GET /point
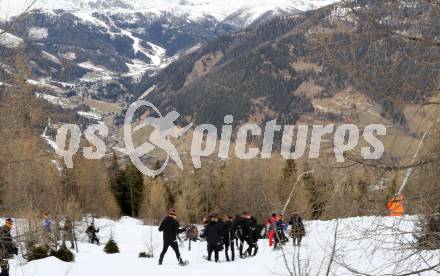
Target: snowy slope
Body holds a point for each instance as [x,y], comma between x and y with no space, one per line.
[106,42]
[374,254]
[219,9]
[9,40]
[163,27]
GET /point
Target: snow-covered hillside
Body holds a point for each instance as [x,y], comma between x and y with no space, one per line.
[106,47]
[9,40]
[219,9]
[367,244]
[111,44]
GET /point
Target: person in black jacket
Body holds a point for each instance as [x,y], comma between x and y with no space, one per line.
[91,233]
[234,229]
[242,230]
[297,232]
[7,247]
[171,228]
[228,238]
[213,234]
[254,236]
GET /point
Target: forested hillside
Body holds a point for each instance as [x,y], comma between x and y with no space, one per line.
[274,70]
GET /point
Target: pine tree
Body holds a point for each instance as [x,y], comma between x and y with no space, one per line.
[120,191]
[118,185]
[37,252]
[113,174]
[135,187]
[63,253]
[111,247]
[127,187]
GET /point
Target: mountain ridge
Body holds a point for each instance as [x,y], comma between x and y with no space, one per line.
[193,8]
[106,46]
[278,69]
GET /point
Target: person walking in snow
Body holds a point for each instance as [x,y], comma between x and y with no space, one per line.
[242,231]
[228,238]
[270,226]
[213,233]
[297,231]
[7,247]
[171,228]
[285,225]
[255,234]
[91,233]
[280,237]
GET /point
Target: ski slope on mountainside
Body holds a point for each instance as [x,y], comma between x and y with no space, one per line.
[365,244]
[219,9]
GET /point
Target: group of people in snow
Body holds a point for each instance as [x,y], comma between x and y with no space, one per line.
[66,231]
[277,229]
[8,247]
[229,233]
[224,234]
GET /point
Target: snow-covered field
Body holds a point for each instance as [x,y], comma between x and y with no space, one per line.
[369,245]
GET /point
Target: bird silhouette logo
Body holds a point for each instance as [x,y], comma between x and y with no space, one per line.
[164,127]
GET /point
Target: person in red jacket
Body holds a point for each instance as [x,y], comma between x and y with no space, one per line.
[271,228]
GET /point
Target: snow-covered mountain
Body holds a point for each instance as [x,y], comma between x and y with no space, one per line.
[193,9]
[108,45]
